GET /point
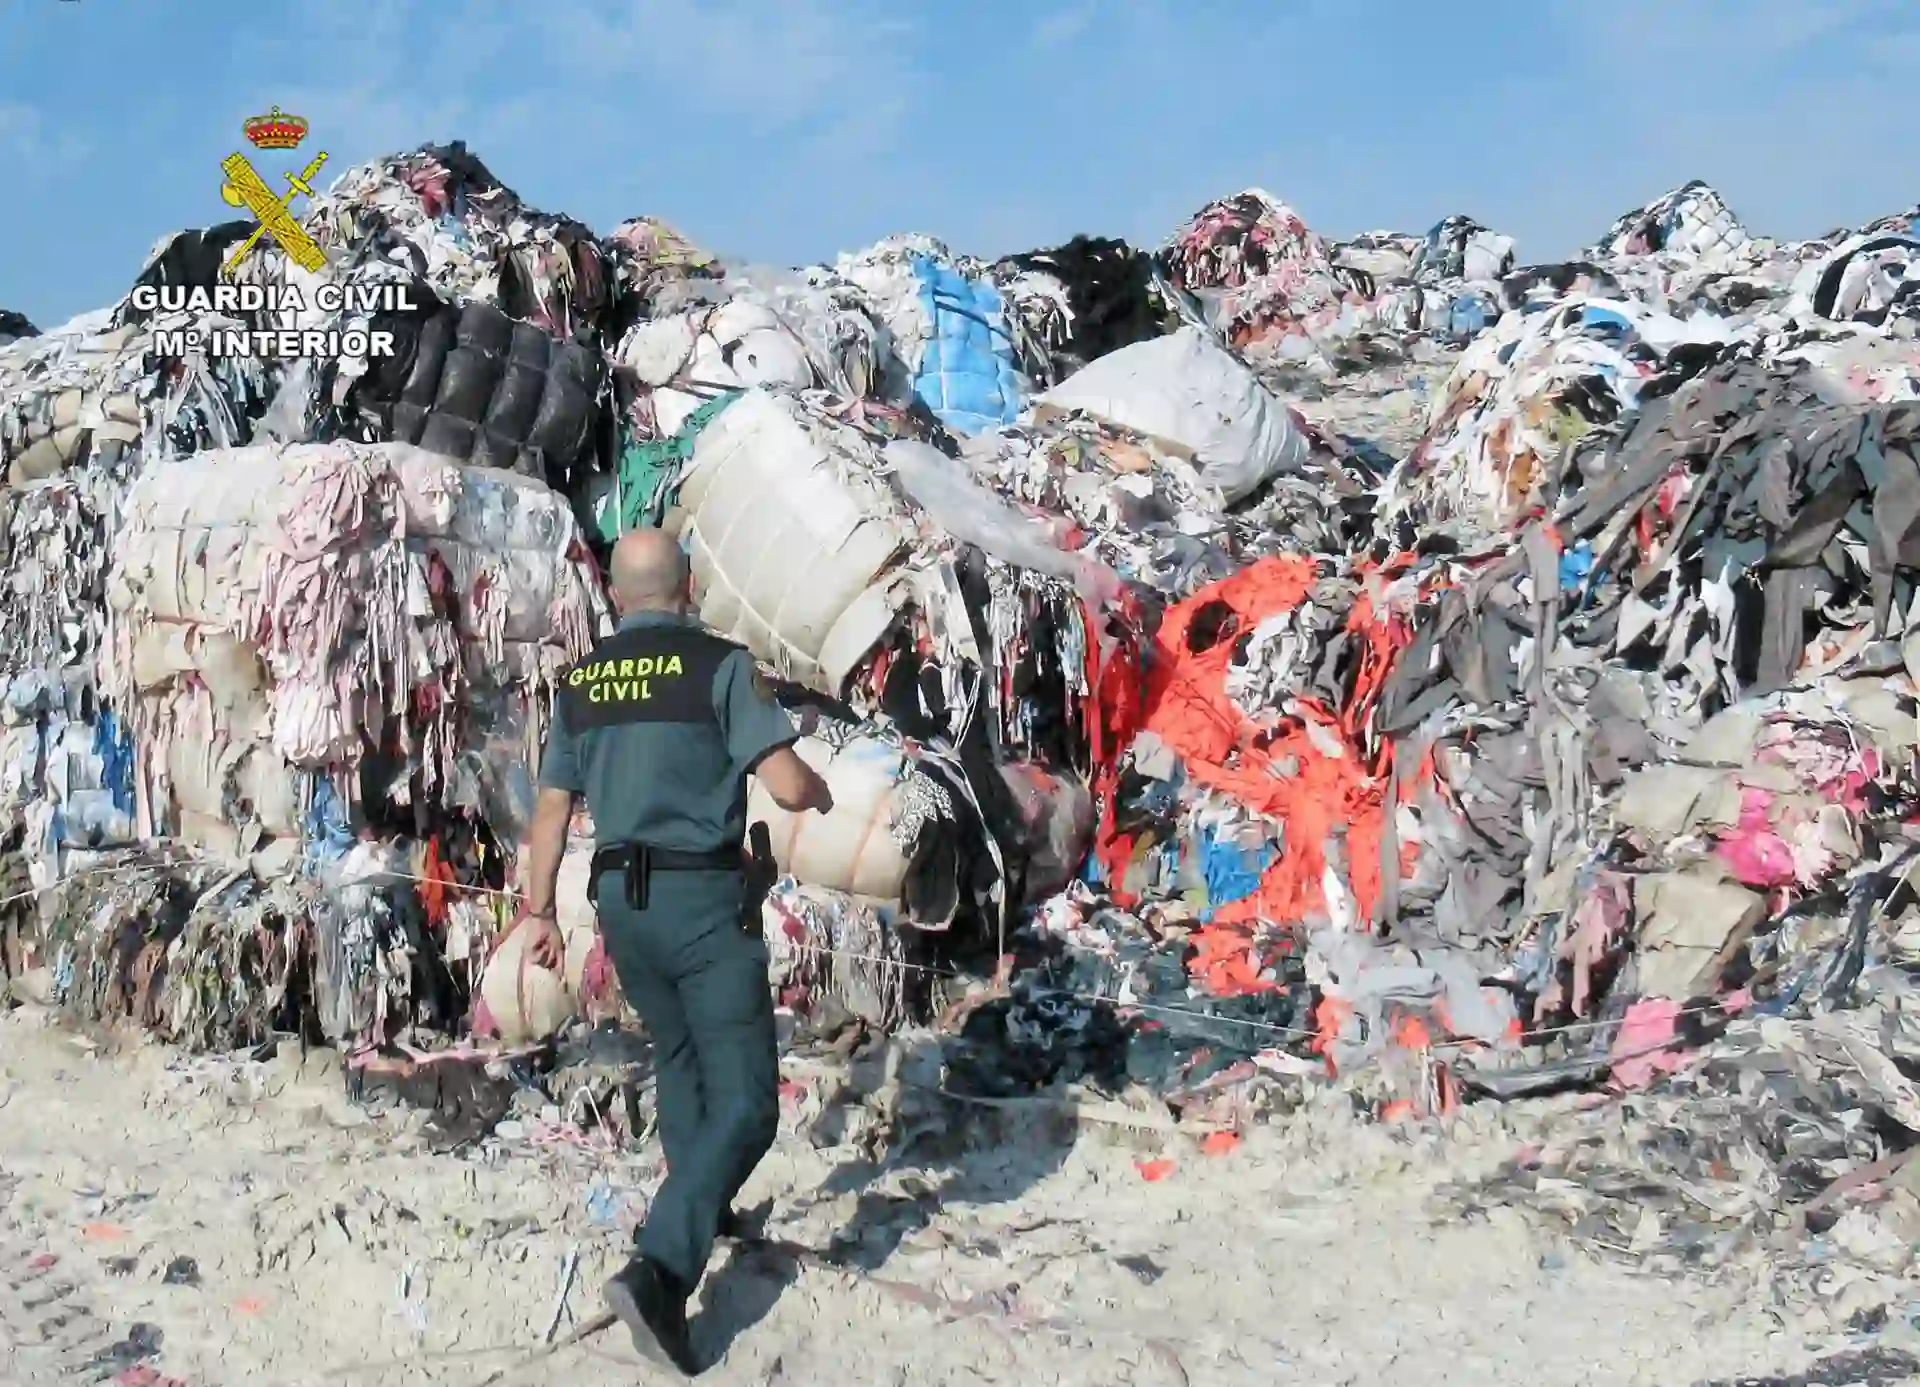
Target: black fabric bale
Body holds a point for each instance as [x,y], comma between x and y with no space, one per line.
[580,365]
[387,377]
[485,329]
[516,399]
[494,449]
[516,403]
[407,422]
[564,423]
[467,384]
[565,420]
[530,346]
[531,462]
[449,436]
[429,360]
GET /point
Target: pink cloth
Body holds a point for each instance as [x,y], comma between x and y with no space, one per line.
[597,980]
[1646,1025]
[1753,852]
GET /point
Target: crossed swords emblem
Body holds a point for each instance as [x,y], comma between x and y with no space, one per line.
[246,188]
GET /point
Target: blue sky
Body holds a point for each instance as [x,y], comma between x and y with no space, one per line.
[783,130]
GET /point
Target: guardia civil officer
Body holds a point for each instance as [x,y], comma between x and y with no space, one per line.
[659,728]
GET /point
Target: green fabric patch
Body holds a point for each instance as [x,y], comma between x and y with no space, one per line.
[649,472]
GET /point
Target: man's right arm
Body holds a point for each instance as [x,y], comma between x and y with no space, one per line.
[760,737]
[795,786]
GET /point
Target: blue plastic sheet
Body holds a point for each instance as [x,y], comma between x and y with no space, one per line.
[968,375]
[1468,316]
[1575,564]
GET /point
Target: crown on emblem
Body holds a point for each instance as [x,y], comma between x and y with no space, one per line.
[275,130]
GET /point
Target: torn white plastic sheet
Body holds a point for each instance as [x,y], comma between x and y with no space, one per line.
[947,491]
[1187,390]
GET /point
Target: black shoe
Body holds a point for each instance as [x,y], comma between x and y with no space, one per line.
[649,1301]
[747,1227]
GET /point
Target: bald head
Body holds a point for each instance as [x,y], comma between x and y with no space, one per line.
[649,572]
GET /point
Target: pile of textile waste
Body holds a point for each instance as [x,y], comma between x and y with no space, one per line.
[1193,724]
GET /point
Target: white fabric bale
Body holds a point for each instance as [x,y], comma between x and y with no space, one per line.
[193,549]
[528,1003]
[672,408]
[191,577]
[656,351]
[850,849]
[787,526]
[201,770]
[746,344]
[189,549]
[229,667]
[512,530]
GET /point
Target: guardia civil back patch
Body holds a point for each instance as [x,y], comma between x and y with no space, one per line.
[653,674]
[622,681]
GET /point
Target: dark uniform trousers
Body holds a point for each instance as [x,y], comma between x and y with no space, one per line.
[699,983]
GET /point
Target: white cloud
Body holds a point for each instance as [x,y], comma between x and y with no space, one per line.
[1064,26]
[773,64]
[31,144]
[1794,109]
[1721,42]
[354,69]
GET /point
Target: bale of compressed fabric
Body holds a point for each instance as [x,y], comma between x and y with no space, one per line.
[471,384]
[66,394]
[852,848]
[315,603]
[523,1002]
[682,360]
[792,536]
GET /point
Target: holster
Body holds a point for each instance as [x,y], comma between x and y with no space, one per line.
[762,873]
[638,877]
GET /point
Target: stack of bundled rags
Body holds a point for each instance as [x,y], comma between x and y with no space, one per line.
[83,409]
[334,658]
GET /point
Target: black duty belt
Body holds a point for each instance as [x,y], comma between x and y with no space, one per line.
[637,862]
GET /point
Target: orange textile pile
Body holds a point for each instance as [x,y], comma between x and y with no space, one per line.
[1324,796]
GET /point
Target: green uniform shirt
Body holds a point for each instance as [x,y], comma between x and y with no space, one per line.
[659,728]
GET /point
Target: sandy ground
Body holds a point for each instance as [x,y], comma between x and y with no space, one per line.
[329,1247]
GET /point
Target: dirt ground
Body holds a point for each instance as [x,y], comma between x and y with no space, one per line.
[262,1230]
